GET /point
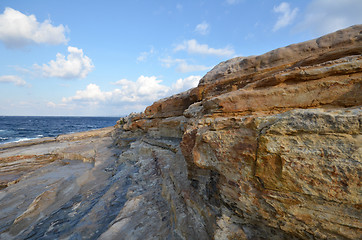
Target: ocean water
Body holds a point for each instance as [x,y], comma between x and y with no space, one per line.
[16,129]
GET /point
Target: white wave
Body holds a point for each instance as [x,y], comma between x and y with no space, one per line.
[25,139]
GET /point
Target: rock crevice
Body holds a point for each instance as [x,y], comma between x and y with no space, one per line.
[265,147]
[282,131]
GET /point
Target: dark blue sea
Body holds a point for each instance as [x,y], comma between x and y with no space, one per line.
[16,129]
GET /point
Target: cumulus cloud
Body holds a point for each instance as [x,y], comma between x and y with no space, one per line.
[144,90]
[18,30]
[286,17]
[182,65]
[202,28]
[18,81]
[184,84]
[92,94]
[324,16]
[193,47]
[128,95]
[75,65]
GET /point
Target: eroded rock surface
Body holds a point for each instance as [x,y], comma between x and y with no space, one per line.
[266,147]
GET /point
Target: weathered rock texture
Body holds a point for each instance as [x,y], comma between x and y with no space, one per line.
[266,147]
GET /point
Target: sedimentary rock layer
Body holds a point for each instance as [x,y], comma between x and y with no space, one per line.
[266,147]
[273,142]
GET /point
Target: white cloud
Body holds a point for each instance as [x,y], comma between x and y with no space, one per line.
[325,16]
[18,30]
[202,28]
[92,94]
[51,104]
[286,15]
[18,81]
[144,55]
[182,65]
[76,65]
[145,89]
[184,84]
[193,47]
[127,96]
[168,62]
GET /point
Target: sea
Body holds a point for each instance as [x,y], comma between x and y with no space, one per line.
[16,128]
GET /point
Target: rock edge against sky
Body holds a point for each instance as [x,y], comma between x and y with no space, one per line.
[266,147]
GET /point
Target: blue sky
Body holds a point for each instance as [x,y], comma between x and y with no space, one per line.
[110,58]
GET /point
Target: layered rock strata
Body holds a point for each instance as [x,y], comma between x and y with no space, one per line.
[266,147]
[273,142]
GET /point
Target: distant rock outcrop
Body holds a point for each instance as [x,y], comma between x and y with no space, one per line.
[266,147]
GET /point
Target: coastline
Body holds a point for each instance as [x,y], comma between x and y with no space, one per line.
[18,159]
[61,137]
[266,147]
[25,128]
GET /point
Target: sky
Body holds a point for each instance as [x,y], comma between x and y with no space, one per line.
[111,58]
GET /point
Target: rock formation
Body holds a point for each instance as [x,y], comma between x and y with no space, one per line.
[266,147]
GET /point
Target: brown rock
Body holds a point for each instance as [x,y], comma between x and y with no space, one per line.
[266,147]
[172,106]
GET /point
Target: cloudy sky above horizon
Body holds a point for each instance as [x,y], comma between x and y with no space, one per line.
[110,58]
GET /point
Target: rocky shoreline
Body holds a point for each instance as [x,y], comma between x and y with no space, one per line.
[266,147]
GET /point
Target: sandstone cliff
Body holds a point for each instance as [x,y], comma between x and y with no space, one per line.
[273,142]
[266,147]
